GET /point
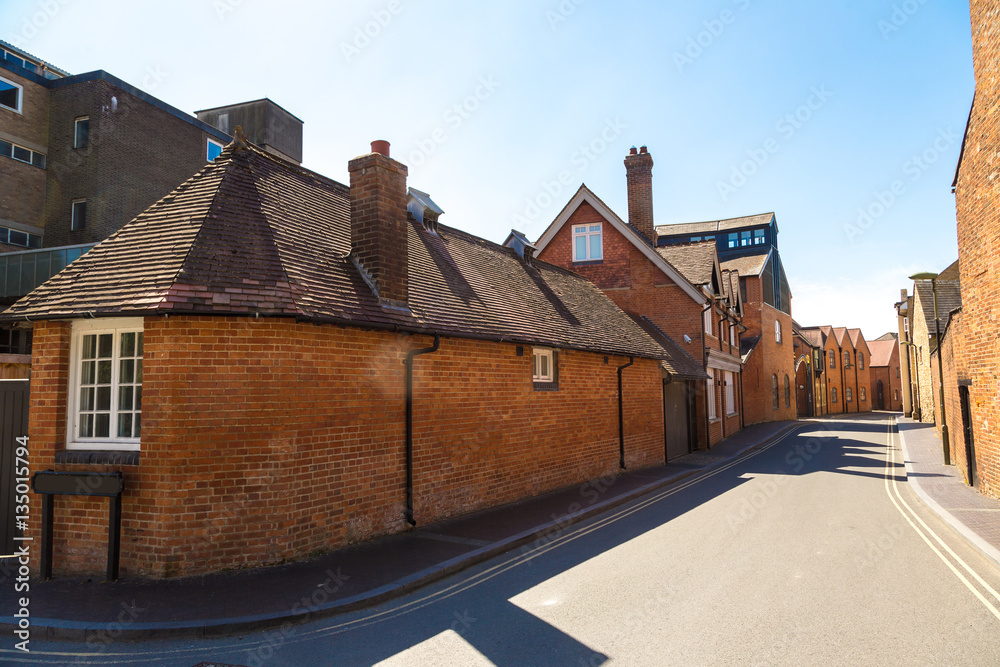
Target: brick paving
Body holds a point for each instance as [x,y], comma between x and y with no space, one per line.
[946,486]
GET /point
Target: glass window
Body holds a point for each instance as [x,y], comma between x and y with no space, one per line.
[17,238]
[707,317]
[744,238]
[81,132]
[777,331]
[542,366]
[214,150]
[733,240]
[6,148]
[10,95]
[774,392]
[833,358]
[711,396]
[788,393]
[22,154]
[861,360]
[587,243]
[847,394]
[38,160]
[107,388]
[833,395]
[730,394]
[862,394]
[847,358]
[79,218]
[759,237]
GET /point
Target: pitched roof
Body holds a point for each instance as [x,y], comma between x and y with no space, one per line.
[695,261]
[815,336]
[253,234]
[712,226]
[856,337]
[951,273]
[886,336]
[585,195]
[678,363]
[731,287]
[747,346]
[949,296]
[881,351]
[748,265]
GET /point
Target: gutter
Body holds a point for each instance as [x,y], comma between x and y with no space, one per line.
[409,423]
[621,417]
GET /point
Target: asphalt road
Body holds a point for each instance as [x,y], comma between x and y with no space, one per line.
[812,551]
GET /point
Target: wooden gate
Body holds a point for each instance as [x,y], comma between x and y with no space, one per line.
[13,425]
[676,418]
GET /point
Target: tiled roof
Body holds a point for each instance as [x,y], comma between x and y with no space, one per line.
[732,281]
[695,261]
[839,333]
[881,351]
[712,226]
[815,337]
[679,363]
[253,234]
[856,337]
[887,336]
[949,294]
[748,265]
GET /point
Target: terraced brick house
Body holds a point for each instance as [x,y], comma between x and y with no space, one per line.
[281,364]
[886,374]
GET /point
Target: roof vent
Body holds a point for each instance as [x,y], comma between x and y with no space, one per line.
[423,209]
[521,245]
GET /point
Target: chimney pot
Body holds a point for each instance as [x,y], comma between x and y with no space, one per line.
[381,147]
[643,149]
[633,151]
[639,177]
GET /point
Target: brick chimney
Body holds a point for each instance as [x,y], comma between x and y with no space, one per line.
[378,221]
[639,174]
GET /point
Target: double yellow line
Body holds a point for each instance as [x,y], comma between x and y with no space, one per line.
[925,532]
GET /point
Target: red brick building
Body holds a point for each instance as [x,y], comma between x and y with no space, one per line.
[810,370]
[847,368]
[886,374]
[244,352]
[681,291]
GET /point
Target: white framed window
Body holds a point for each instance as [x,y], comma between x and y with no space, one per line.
[732,334]
[777,331]
[81,132]
[11,95]
[707,317]
[105,384]
[730,394]
[847,394]
[711,395]
[542,366]
[906,325]
[588,242]
[759,237]
[213,150]
[78,217]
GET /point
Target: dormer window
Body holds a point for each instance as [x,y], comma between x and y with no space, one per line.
[759,237]
[588,243]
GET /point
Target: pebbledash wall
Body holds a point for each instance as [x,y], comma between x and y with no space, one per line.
[266,440]
[977,199]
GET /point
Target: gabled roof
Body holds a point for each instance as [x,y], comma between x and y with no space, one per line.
[881,351]
[747,345]
[949,297]
[886,336]
[749,265]
[839,335]
[252,234]
[713,226]
[584,194]
[814,336]
[731,284]
[951,273]
[856,337]
[679,364]
[697,262]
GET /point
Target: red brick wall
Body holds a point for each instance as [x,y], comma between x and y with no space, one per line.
[768,358]
[636,285]
[266,440]
[955,371]
[977,198]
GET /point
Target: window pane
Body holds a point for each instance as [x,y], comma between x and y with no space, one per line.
[545,365]
[138,371]
[128,345]
[534,365]
[9,95]
[102,425]
[89,347]
[104,346]
[82,133]
[104,371]
[5,147]
[125,398]
[138,398]
[104,398]
[139,345]
[22,154]
[38,160]
[87,398]
[595,228]
[86,426]
[137,425]
[126,371]
[581,248]
[125,425]
[595,246]
[88,373]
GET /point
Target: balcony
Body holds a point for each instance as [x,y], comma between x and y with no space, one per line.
[21,272]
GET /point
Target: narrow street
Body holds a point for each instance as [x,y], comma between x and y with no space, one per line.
[813,550]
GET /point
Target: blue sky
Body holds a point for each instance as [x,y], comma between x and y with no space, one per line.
[816,111]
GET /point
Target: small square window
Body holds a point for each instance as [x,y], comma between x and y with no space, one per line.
[759,237]
[733,240]
[79,219]
[22,154]
[10,95]
[38,160]
[6,148]
[587,242]
[81,132]
[542,366]
[214,150]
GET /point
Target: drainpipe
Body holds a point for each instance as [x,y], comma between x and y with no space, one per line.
[723,401]
[704,360]
[843,382]
[409,423]
[621,416]
[857,389]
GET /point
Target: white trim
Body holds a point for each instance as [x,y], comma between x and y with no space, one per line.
[729,378]
[585,195]
[76,131]
[20,97]
[587,233]
[81,328]
[723,362]
[713,413]
[72,215]
[543,353]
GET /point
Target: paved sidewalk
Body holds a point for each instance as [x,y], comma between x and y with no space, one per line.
[943,489]
[343,580]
